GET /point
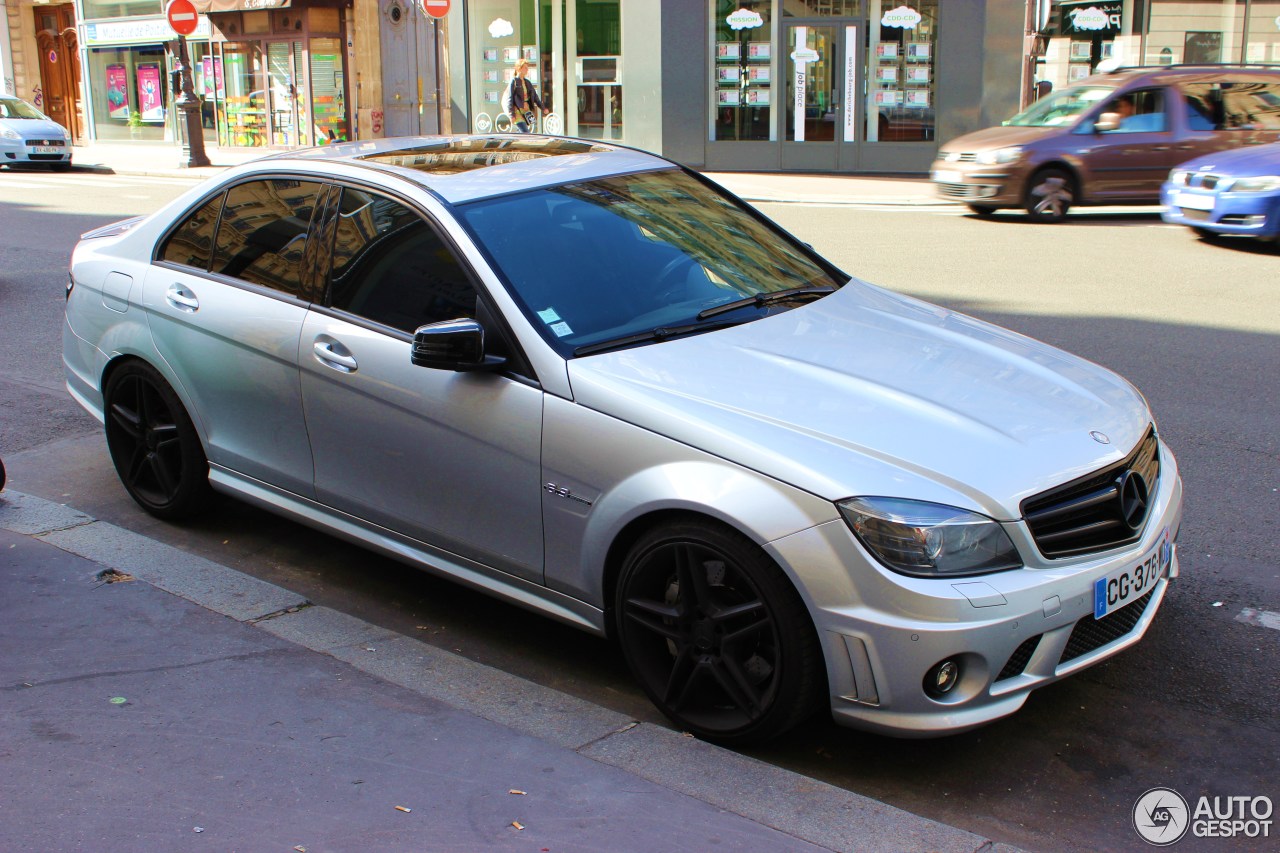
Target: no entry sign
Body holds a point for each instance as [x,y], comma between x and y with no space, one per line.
[434,8]
[182,16]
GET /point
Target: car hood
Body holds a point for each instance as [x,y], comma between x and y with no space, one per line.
[1240,162]
[35,128]
[1001,136]
[867,392]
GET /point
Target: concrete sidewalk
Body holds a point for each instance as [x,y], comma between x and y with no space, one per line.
[162,160]
[188,706]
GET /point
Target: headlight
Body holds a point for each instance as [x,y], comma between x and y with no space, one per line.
[1178,177]
[928,539]
[1000,155]
[9,133]
[1263,184]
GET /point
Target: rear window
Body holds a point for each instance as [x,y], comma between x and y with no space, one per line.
[263,230]
[191,243]
[1249,105]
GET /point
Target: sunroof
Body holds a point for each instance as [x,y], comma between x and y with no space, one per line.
[451,156]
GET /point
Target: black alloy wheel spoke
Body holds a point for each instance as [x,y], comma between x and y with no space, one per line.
[138,462]
[167,437]
[729,676]
[685,672]
[760,621]
[127,420]
[651,615]
[695,591]
[163,476]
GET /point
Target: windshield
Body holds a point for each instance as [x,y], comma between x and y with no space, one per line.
[1061,108]
[15,108]
[617,257]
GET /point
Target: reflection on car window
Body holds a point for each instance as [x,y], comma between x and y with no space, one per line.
[191,244]
[18,108]
[263,231]
[1061,108]
[1244,105]
[620,255]
[390,266]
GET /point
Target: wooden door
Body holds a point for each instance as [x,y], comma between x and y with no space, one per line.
[59,66]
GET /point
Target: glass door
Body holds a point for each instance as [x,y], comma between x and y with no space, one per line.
[823,79]
[285,92]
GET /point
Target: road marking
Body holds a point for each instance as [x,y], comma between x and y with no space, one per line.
[1259,618]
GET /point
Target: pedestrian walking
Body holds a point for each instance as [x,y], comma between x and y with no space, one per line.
[524,100]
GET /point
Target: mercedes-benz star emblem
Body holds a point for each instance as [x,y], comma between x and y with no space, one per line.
[1100,437]
[1133,499]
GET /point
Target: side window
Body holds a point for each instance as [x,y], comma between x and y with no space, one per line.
[263,231]
[1251,106]
[192,243]
[390,266]
[1140,112]
[1204,106]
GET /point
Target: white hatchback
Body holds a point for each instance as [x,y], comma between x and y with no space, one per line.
[29,136]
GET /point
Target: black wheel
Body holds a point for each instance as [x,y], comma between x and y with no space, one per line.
[154,445]
[1206,235]
[981,209]
[2,478]
[716,635]
[1050,193]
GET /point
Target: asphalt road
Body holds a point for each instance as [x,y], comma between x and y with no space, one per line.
[1193,325]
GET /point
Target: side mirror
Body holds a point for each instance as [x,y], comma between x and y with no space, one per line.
[1106,122]
[453,345]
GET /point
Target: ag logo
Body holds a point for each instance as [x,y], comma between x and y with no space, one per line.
[1161,816]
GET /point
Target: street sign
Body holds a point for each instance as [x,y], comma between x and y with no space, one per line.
[182,16]
[435,8]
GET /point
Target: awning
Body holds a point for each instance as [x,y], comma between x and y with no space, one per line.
[204,7]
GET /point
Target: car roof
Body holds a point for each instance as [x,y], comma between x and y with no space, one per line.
[1162,75]
[465,168]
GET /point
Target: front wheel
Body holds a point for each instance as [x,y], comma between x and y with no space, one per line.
[153,443]
[716,635]
[1050,193]
[983,210]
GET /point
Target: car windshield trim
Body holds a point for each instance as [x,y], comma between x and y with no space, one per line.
[656,335]
[763,300]
[1062,109]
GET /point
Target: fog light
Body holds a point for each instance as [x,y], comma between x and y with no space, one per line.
[942,679]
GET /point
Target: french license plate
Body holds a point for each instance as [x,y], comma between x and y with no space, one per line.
[1126,585]
[45,149]
[946,176]
[1193,201]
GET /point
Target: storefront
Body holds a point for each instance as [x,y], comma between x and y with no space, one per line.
[1078,35]
[805,85]
[126,68]
[276,74]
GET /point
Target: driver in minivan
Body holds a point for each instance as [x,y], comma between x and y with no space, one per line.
[1151,118]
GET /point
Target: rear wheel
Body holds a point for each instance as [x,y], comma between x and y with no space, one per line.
[716,635]
[153,443]
[1050,194]
[981,209]
[1205,234]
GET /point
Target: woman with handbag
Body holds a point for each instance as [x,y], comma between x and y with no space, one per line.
[524,99]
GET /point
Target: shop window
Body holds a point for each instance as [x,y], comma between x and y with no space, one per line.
[902,71]
[391,267]
[328,99]
[242,111]
[191,244]
[131,92]
[263,231]
[743,70]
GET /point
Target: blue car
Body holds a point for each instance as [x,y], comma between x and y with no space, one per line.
[1229,192]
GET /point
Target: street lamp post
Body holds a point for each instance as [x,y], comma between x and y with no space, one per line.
[189,109]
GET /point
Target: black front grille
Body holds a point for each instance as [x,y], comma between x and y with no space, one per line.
[1020,657]
[1090,633]
[1194,215]
[59,143]
[44,156]
[964,191]
[1086,515]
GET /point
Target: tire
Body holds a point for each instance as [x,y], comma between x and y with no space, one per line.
[60,167]
[1206,235]
[154,445]
[2,477]
[983,210]
[1050,193]
[716,634]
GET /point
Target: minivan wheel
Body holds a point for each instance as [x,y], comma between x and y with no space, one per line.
[981,209]
[716,634]
[1050,193]
[153,443]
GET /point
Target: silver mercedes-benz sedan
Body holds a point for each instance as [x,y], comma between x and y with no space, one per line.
[590,382]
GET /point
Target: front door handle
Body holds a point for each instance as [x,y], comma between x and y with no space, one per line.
[182,298]
[333,354]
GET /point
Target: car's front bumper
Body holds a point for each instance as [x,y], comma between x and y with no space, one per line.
[970,182]
[24,151]
[1011,632]
[1246,214]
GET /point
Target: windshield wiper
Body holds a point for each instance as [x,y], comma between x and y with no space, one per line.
[661,333]
[761,300]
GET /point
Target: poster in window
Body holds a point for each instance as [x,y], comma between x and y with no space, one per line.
[531,53]
[510,54]
[729,97]
[888,98]
[1202,48]
[887,51]
[917,99]
[491,75]
[728,74]
[918,75]
[150,94]
[218,83]
[887,74]
[491,54]
[727,51]
[117,92]
[1077,72]
[759,50]
[1079,50]
[759,74]
[918,51]
[758,97]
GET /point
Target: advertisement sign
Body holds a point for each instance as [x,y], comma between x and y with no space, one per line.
[150,93]
[117,92]
[800,60]
[138,30]
[850,81]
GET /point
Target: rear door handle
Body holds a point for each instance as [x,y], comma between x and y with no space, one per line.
[327,353]
[182,298]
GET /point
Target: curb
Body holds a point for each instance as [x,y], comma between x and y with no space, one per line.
[804,808]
